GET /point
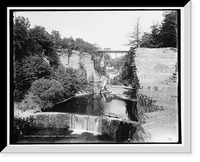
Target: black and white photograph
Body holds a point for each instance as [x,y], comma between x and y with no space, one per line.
[98,80]
[95,76]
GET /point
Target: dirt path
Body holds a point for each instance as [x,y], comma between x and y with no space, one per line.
[161,125]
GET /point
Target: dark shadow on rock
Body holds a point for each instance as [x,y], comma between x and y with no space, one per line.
[125,131]
[131,93]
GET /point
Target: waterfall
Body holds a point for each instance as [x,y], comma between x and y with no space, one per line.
[115,128]
[85,123]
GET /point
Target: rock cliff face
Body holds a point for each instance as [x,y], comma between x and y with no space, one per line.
[155,65]
[76,59]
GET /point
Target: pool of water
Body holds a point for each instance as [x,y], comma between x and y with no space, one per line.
[99,105]
[85,126]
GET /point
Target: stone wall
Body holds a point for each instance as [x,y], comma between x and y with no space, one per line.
[74,62]
[155,65]
[113,127]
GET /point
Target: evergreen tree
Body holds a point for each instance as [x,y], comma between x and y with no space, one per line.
[168,30]
[164,35]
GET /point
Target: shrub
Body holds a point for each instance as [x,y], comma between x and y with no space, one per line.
[26,72]
[146,104]
[72,80]
[48,91]
[21,127]
[101,70]
[30,102]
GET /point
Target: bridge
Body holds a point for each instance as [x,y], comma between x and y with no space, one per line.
[113,52]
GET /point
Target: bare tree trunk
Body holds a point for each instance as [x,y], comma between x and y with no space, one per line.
[135,35]
[138,29]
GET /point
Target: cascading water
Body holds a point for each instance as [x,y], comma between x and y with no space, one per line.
[97,114]
[85,123]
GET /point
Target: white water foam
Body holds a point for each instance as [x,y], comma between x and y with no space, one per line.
[80,131]
[84,123]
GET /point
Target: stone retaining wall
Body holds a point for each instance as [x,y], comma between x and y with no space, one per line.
[113,127]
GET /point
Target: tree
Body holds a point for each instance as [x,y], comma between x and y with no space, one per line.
[136,34]
[97,66]
[43,45]
[20,38]
[153,39]
[30,69]
[68,43]
[126,70]
[80,45]
[168,30]
[72,80]
[33,41]
[128,74]
[155,36]
[164,34]
[48,92]
[56,37]
[35,57]
[97,46]
[146,40]
[31,46]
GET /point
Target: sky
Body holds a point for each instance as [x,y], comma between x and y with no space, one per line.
[108,29]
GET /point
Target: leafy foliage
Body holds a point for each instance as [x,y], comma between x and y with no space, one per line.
[78,44]
[31,46]
[48,91]
[126,70]
[164,34]
[35,57]
[126,66]
[21,126]
[20,37]
[43,45]
[32,41]
[27,71]
[146,40]
[72,80]
[57,40]
[115,81]
[101,70]
[168,30]
[30,102]
[128,74]
[116,62]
